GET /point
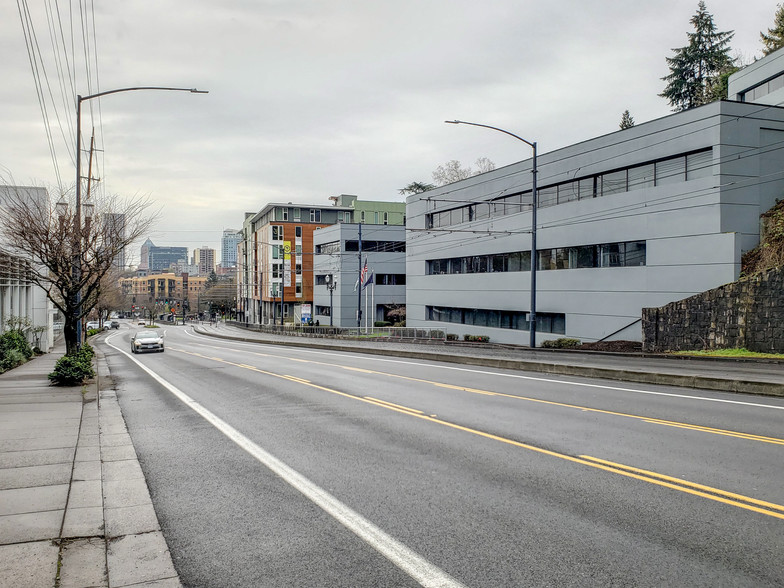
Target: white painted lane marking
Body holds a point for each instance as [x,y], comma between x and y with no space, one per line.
[531,378]
[406,559]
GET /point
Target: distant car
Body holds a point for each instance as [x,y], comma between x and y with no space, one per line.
[115,324]
[141,323]
[93,325]
[146,341]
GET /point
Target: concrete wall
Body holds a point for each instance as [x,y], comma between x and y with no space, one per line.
[748,313]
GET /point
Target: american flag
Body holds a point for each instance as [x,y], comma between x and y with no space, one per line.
[363,273]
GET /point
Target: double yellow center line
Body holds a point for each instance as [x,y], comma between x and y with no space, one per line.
[701,490]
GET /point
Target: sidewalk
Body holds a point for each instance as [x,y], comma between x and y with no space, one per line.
[74,505]
[718,374]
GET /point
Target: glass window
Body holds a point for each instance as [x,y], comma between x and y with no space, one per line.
[610,255]
[386,218]
[482,211]
[456,265]
[298,232]
[275,250]
[513,204]
[586,256]
[699,165]
[455,216]
[298,269]
[641,176]
[297,214]
[635,253]
[568,192]
[298,248]
[614,183]
[670,171]
[587,188]
[315,215]
[515,262]
[500,263]
[362,217]
[546,259]
[547,196]
[375,218]
[562,258]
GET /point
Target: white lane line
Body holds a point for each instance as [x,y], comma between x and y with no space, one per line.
[406,559]
[376,359]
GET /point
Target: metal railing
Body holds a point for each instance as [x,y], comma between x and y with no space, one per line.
[370,333]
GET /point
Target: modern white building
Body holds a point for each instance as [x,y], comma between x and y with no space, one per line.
[637,218]
[762,82]
[337,266]
[19,295]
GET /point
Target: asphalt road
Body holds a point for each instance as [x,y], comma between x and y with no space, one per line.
[272,466]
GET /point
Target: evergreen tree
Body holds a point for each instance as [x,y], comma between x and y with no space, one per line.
[775,37]
[627,120]
[695,68]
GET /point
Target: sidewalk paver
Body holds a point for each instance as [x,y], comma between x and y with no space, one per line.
[74,506]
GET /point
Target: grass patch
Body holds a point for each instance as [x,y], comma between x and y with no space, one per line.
[738,352]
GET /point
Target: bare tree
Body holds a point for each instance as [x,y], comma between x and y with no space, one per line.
[453,171]
[110,296]
[69,257]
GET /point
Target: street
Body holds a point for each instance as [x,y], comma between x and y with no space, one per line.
[275,466]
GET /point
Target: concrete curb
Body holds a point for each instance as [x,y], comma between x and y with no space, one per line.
[641,377]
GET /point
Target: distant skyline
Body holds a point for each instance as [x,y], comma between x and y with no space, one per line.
[311,99]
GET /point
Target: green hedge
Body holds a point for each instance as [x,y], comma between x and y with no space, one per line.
[14,350]
[562,343]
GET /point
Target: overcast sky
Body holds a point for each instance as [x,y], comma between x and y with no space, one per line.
[310,98]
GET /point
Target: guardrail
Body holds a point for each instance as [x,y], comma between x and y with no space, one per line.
[377,333]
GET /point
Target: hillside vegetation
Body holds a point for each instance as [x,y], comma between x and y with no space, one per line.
[770,252]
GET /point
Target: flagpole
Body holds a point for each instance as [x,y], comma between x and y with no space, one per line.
[359,279]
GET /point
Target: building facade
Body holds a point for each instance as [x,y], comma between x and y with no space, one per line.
[161,259]
[637,218]
[204,259]
[163,292]
[337,267]
[275,264]
[20,297]
[229,241]
[762,82]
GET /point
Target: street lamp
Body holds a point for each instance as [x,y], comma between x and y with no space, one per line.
[532,316]
[77,268]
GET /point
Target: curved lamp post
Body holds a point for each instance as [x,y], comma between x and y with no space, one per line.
[532,316]
[77,268]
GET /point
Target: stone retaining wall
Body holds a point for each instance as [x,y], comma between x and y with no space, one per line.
[748,313]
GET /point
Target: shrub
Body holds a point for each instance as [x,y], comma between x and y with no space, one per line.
[451,337]
[562,343]
[476,338]
[92,332]
[382,324]
[72,370]
[14,349]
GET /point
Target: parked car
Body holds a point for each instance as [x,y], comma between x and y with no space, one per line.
[115,324]
[146,341]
